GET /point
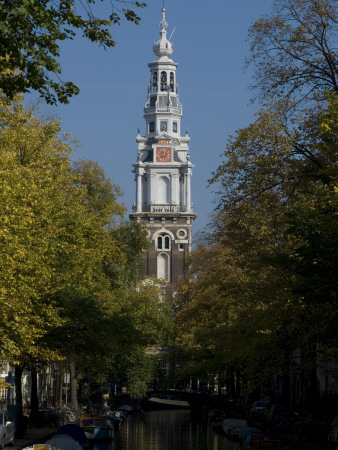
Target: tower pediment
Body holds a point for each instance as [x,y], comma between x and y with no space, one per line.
[163,137]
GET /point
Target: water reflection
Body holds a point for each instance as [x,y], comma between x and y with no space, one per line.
[166,430]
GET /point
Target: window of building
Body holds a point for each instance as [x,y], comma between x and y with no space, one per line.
[164,125]
[174,127]
[151,127]
[181,247]
[155,81]
[172,81]
[163,81]
[163,267]
[163,242]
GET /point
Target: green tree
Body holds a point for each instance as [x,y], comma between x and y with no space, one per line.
[31,31]
[278,211]
[107,312]
[294,50]
[87,302]
[144,323]
[133,240]
[38,199]
[35,177]
[69,285]
[276,222]
[101,193]
[312,219]
[230,318]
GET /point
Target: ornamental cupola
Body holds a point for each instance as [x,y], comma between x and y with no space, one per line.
[163,48]
[163,111]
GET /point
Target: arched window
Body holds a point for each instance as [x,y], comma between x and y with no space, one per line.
[172,81]
[155,82]
[163,268]
[163,242]
[163,81]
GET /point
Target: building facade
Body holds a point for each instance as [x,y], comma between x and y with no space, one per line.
[163,170]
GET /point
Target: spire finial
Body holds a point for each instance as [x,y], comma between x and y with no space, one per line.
[163,23]
[163,48]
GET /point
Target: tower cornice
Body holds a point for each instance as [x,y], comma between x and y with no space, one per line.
[160,62]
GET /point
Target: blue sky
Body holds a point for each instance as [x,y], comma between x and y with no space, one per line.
[210,45]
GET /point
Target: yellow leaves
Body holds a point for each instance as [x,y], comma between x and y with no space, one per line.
[35,203]
[5,385]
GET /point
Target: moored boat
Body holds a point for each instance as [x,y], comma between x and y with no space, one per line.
[97,428]
[63,442]
[163,401]
[263,442]
[115,419]
[233,428]
[75,432]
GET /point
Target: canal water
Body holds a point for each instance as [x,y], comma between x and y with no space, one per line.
[167,430]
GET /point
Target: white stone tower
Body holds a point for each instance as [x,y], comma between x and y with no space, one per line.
[163,170]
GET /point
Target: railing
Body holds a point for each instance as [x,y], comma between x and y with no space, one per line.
[163,208]
[154,109]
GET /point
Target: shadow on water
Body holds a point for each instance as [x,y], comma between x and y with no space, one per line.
[166,430]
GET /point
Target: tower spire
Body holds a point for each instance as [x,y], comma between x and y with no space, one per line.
[163,170]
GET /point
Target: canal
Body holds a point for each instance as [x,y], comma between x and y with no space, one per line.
[167,430]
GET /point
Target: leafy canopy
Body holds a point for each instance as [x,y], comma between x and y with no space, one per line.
[294,50]
[265,281]
[30,35]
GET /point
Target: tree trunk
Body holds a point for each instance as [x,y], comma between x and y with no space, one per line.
[238,383]
[230,383]
[21,423]
[61,383]
[34,397]
[73,385]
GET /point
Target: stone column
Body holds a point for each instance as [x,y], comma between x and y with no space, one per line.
[151,186]
[175,199]
[138,191]
[188,191]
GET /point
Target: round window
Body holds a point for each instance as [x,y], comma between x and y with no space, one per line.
[181,233]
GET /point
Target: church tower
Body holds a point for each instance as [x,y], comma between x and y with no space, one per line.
[163,170]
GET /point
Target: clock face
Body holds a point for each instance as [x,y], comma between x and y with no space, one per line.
[163,154]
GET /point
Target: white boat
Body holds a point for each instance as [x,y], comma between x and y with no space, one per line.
[161,401]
